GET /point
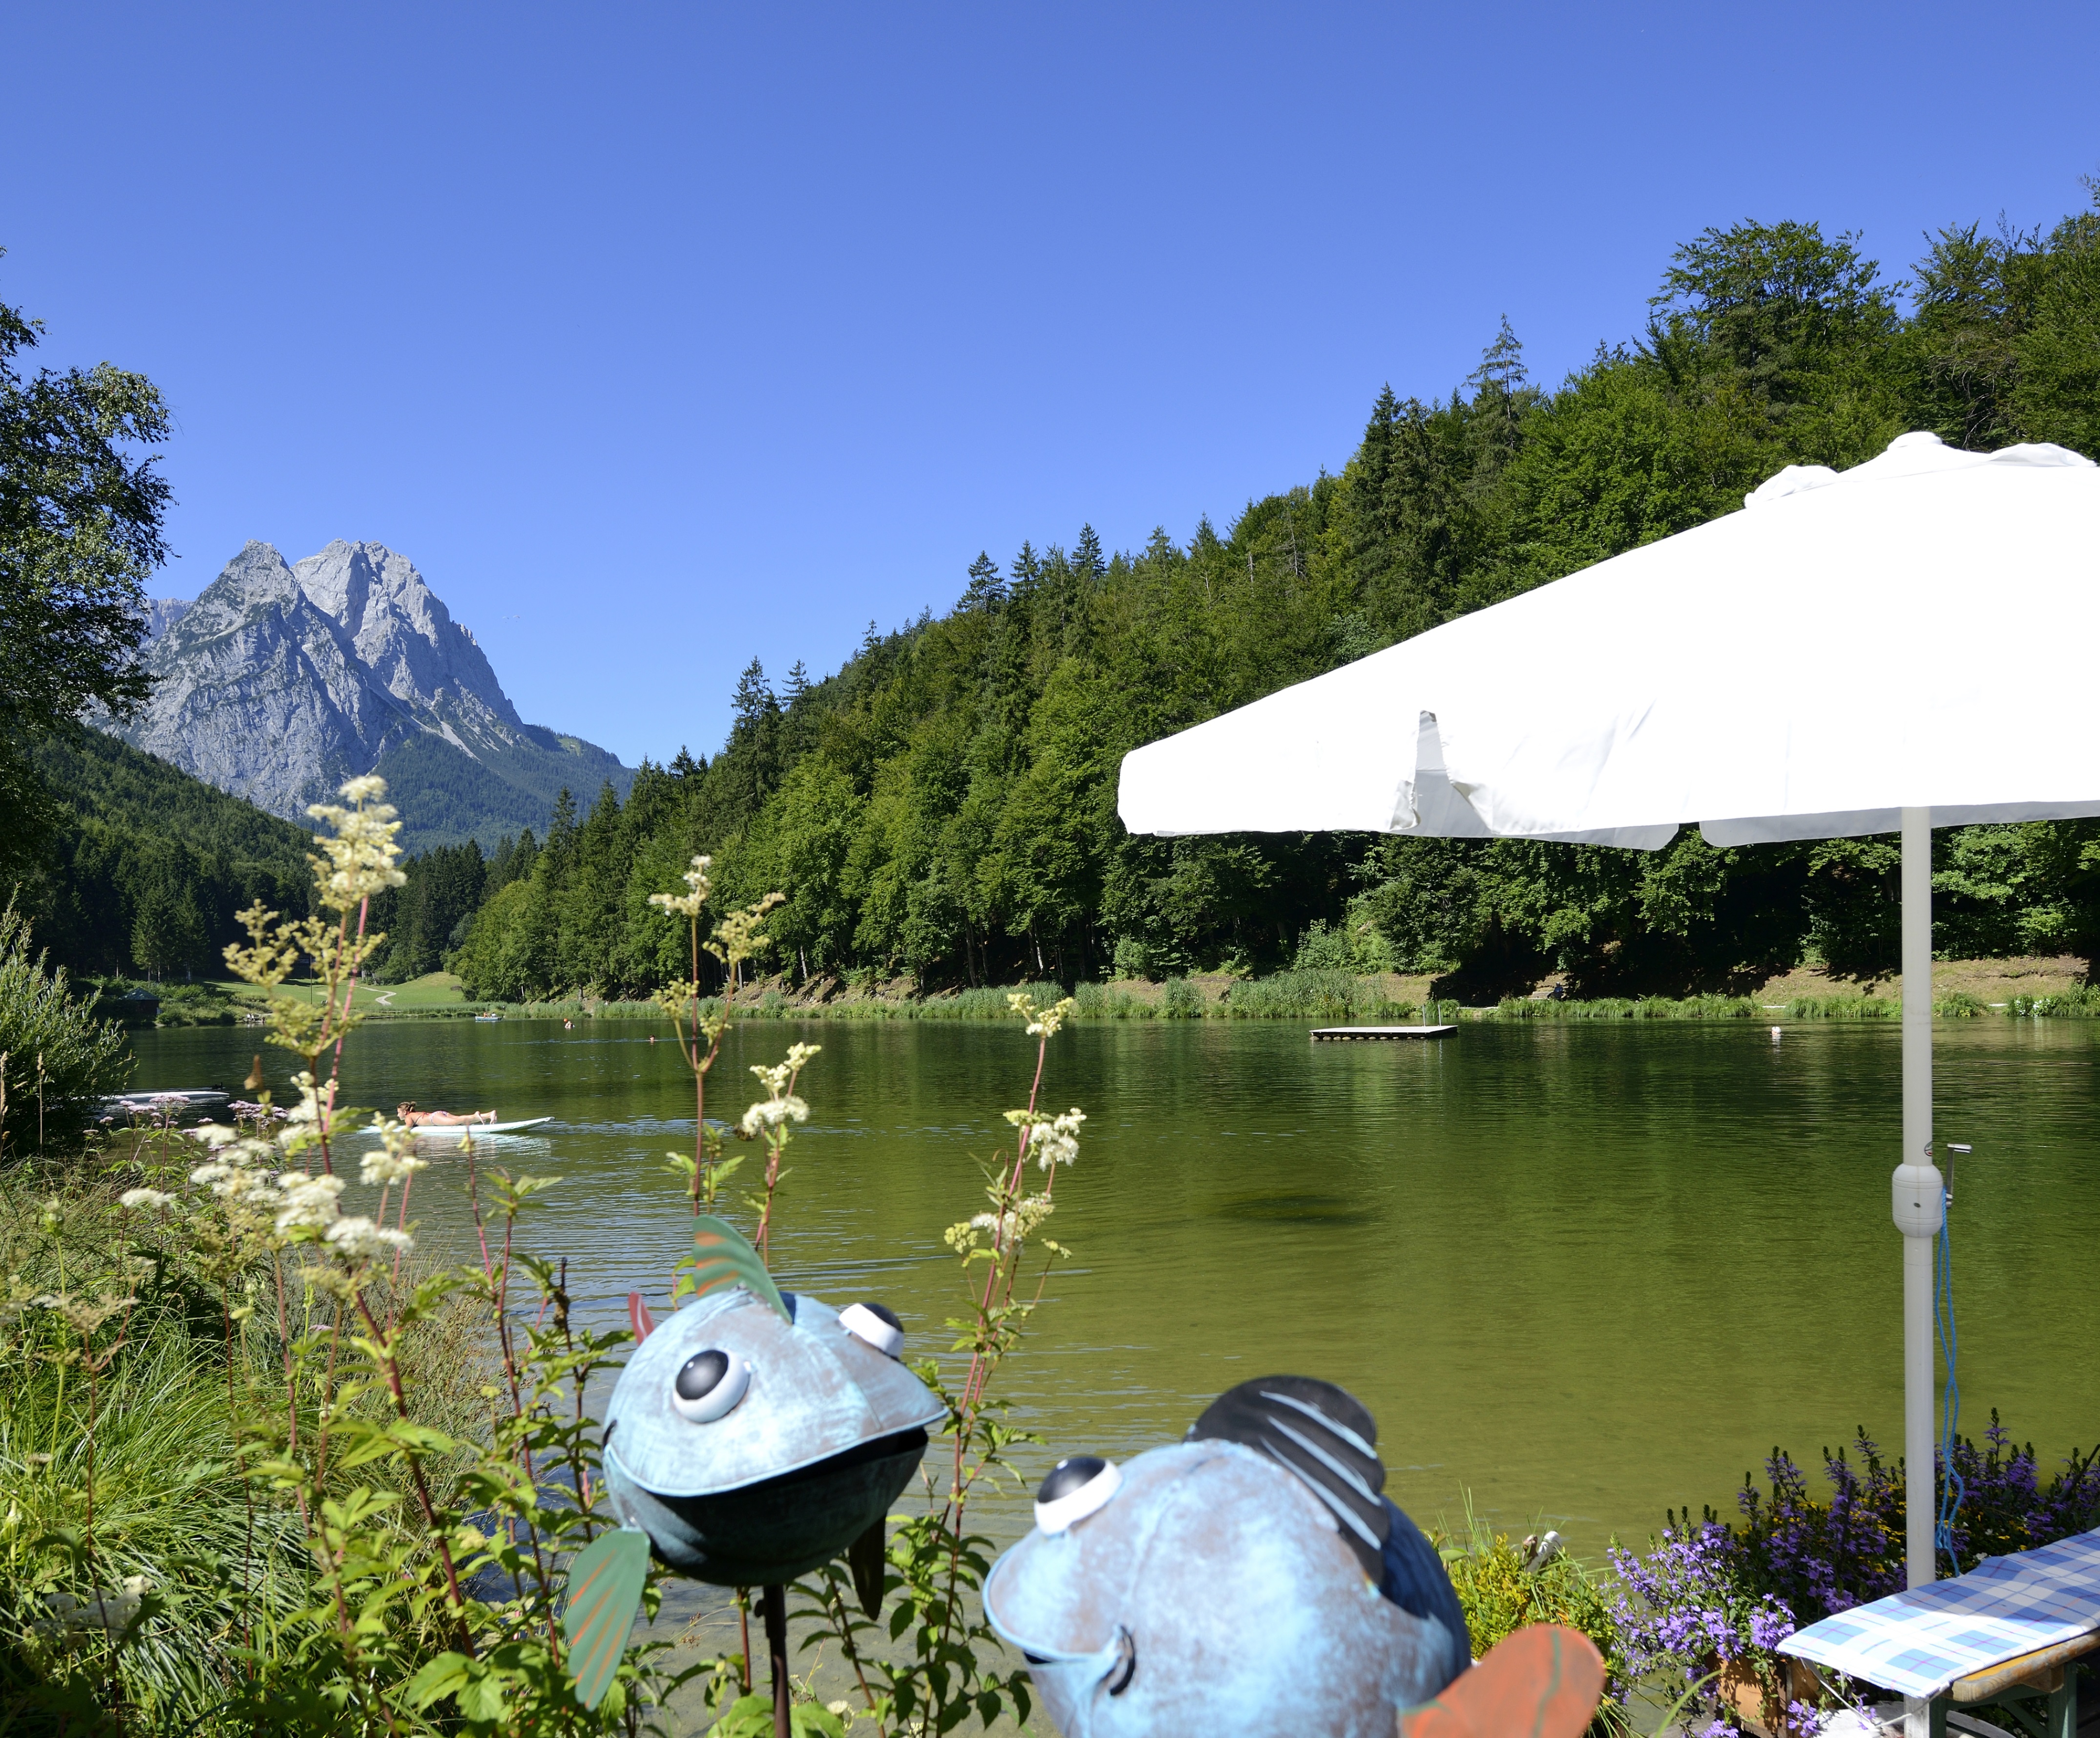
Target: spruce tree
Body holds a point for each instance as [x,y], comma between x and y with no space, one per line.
[753,701]
[987,586]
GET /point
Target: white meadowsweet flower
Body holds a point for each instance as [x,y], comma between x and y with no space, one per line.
[358,861]
[1057,1142]
[361,1240]
[307,1200]
[213,1134]
[774,1079]
[144,1198]
[798,1055]
[229,1182]
[688,904]
[1042,1023]
[770,1113]
[1018,1222]
[396,1159]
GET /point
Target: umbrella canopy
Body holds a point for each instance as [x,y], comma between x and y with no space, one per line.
[1886,620]
[1612,705]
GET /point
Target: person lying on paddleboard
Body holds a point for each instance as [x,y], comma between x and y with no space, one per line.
[439,1119]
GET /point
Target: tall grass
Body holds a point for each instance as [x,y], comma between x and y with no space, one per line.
[155,1450]
[1618,1007]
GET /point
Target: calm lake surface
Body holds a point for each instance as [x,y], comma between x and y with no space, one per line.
[1579,1272]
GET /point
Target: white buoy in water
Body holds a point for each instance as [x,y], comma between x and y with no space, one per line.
[1775,1032]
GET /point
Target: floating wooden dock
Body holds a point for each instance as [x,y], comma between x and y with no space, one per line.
[1375,1034]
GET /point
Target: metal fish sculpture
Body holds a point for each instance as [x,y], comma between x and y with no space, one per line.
[1251,1579]
[752,1437]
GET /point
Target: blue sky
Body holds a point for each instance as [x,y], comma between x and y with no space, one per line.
[660,337]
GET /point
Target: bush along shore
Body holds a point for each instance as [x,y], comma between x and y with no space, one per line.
[1333,996]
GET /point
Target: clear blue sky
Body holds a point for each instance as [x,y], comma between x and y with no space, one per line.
[662,336]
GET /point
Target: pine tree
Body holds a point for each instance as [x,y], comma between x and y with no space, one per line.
[1502,368]
[1087,566]
[1027,571]
[987,586]
[798,683]
[753,701]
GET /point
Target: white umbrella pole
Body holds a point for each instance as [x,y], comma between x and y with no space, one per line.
[1917,1196]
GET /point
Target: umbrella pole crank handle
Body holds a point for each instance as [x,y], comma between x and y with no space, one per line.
[775,1600]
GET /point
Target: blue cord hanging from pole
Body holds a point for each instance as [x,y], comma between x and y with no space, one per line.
[1954,1489]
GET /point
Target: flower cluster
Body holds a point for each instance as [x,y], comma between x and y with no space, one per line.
[780,1105]
[357,860]
[263,1196]
[1042,1023]
[688,904]
[1691,1602]
[1054,1140]
[1008,1228]
[394,1159]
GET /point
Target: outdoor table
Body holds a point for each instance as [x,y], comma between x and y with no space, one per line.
[2012,1631]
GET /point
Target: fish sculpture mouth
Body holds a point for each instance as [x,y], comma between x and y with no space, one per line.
[774,1529]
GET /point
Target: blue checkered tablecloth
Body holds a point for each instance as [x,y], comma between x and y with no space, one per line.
[1918,1643]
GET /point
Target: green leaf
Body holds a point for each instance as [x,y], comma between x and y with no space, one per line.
[440,1676]
[721,1257]
[604,1590]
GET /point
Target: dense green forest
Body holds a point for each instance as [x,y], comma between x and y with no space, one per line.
[944,804]
[148,866]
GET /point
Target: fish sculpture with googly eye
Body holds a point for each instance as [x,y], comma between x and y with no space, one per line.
[752,1436]
[1251,1579]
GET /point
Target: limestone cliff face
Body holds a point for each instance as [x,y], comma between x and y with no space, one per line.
[283,680]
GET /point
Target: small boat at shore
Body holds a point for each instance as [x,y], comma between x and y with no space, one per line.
[480,1019]
[182,1104]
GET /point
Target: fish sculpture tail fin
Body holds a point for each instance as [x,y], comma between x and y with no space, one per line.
[1543,1681]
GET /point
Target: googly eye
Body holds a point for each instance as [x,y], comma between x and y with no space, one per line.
[708,1386]
[1075,1489]
[874,1325]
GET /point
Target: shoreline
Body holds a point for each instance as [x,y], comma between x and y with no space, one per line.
[2027,988]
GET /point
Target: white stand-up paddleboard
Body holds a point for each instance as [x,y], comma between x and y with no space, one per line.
[453,1130]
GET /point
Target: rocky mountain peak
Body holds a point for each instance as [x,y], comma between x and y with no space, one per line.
[403,632]
[283,679]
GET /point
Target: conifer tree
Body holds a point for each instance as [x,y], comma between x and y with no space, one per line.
[987,587]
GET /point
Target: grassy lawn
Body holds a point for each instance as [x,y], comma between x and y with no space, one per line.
[438,989]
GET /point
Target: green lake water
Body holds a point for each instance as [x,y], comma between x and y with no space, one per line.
[1579,1272]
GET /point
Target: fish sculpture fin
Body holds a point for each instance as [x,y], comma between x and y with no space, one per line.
[606,1580]
[1322,1434]
[865,1559]
[1544,1681]
[637,1313]
[721,1257]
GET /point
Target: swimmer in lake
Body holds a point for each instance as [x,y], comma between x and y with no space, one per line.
[439,1119]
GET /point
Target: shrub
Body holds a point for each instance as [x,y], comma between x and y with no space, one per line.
[1502,1585]
[56,1059]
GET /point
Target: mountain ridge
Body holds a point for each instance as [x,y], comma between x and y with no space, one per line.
[283,679]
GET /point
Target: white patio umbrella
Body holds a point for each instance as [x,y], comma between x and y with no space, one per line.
[1852,653]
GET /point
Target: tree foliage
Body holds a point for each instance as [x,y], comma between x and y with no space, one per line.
[80,530]
[944,804]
